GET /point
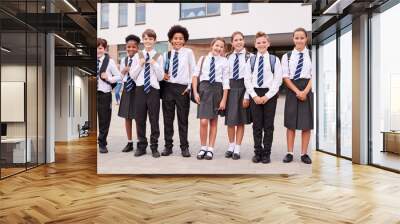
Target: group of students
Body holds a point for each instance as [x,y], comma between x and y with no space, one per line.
[241,86]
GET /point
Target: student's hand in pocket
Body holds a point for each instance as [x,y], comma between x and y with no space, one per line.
[246,103]
[185,92]
[166,77]
[222,105]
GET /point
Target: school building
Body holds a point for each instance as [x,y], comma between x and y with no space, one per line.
[48,91]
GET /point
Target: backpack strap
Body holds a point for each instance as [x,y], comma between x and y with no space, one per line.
[201,66]
[247,56]
[272,61]
[166,64]
[126,61]
[252,62]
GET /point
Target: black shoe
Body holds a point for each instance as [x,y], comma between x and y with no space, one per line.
[166,152]
[288,158]
[236,156]
[201,156]
[209,155]
[140,152]
[185,153]
[306,159]
[256,158]
[103,149]
[266,158]
[155,153]
[228,154]
[128,147]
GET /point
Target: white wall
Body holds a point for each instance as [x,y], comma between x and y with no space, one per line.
[67,117]
[271,18]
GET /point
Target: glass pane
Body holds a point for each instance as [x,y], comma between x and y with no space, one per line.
[212,9]
[140,13]
[240,7]
[385,84]
[13,86]
[123,14]
[327,96]
[31,99]
[346,93]
[104,15]
[189,10]
[41,99]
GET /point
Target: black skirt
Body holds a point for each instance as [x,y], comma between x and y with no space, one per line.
[299,115]
[127,104]
[235,113]
[210,98]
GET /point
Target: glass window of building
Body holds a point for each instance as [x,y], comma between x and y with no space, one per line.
[240,7]
[104,16]
[385,89]
[122,14]
[193,10]
[140,13]
[326,99]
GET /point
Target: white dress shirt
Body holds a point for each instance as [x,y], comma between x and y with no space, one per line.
[221,70]
[113,76]
[156,70]
[122,66]
[242,65]
[289,69]
[270,81]
[186,66]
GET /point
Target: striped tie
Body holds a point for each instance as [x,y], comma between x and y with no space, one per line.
[236,67]
[260,75]
[147,74]
[129,80]
[212,71]
[299,67]
[175,65]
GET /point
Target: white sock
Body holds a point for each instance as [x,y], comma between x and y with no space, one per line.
[237,149]
[291,153]
[231,147]
[130,141]
[302,154]
[204,148]
[210,149]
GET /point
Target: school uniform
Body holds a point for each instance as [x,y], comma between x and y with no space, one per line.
[235,113]
[127,104]
[147,98]
[298,114]
[181,66]
[104,98]
[214,79]
[262,82]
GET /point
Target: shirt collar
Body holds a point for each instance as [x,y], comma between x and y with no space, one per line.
[265,54]
[304,51]
[211,55]
[102,58]
[179,51]
[243,51]
[152,52]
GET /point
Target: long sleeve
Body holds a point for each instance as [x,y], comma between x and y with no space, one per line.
[248,83]
[135,68]
[225,74]
[277,81]
[115,74]
[158,68]
[285,67]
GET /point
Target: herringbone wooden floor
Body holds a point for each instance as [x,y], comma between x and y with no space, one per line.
[70,191]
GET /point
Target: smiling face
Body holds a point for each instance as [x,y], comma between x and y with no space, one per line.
[131,48]
[238,42]
[217,48]
[262,44]
[178,41]
[148,42]
[299,40]
[100,51]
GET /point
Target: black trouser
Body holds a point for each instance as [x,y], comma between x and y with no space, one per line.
[104,116]
[172,98]
[263,119]
[147,103]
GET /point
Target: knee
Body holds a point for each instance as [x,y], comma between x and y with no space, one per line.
[203,122]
